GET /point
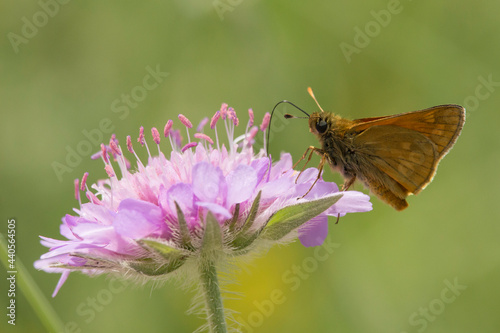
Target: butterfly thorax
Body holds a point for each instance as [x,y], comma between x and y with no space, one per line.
[336,141]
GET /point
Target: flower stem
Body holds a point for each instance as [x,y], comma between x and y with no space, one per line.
[33,294]
[213,300]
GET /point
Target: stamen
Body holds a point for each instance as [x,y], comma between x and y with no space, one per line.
[129,144]
[215,117]
[223,111]
[109,170]
[213,122]
[140,139]
[77,189]
[204,137]
[156,138]
[156,135]
[251,135]
[176,136]
[167,128]
[189,145]
[96,155]
[84,180]
[251,118]
[104,153]
[184,120]
[202,124]
[233,116]
[131,149]
[186,123]
[92,198]
[265,121]
[114,147]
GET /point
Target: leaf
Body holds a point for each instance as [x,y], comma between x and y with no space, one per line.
[292,217]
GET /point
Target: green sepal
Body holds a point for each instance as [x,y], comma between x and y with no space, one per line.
[163,249]
[92,262]
[234,219]
[243,238]
[183,228]
[174,258]
[212,237]
[152,267]
[252,214]
[292,217]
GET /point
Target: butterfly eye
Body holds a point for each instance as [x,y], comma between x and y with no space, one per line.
[321,126]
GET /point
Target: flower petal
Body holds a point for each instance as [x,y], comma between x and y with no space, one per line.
[351,202]
[60,283]
[207,181]
[138,219]
[241,184]
[181,193]
[215,208]
[314,232]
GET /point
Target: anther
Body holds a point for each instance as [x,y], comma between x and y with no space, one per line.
[168,127]
[140,139]
[156,135]
[214,119]
[204,137]
[265,121]
[184,120]
[84,180]
[189,145]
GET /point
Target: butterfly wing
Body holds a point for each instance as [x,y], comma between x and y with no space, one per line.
[405,149]
[441,124]
[408,157]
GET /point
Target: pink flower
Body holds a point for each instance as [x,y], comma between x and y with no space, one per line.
[152,221]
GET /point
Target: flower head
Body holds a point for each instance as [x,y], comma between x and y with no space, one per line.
[206,199]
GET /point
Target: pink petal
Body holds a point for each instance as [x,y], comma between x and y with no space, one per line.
[207,181]
[241,184]
[215,208]
[138,219]
[314,232]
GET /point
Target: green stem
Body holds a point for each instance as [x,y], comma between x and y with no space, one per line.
[213,300]
[33,294]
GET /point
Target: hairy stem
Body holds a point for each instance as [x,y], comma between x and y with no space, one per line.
[213,300]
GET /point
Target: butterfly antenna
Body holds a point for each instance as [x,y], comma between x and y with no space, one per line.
[310,91]
[286,116]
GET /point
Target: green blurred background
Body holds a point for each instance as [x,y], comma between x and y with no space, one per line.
[388,267]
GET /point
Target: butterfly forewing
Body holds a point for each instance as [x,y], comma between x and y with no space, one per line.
[441,124]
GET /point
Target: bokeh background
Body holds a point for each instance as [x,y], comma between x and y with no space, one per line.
[390,271]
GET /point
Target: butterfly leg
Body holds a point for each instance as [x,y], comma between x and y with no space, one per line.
[348,183]
[312,150]
[345,187]
[320,168]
